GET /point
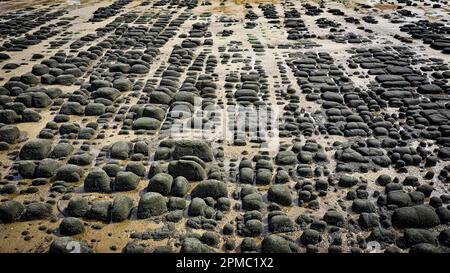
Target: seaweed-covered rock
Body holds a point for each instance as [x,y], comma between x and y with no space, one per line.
[189,169]
[9,134]
[36,149]
[210,188]
[126,181]
[37,211]
[198,148]
[71,226]
[151,204]
[121,208]
[161,183]
[421,216]
[280,194]
[275,244]
[10,211]
[97,181]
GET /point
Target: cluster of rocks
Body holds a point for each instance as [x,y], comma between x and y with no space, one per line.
[433,33]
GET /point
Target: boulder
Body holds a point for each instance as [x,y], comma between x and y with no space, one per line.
[421,216]
[275,244]
[189,169]
[10,211]
[161,183]
[121,208]
[126,181]
[151,204]
[71,226]
[280,194]
[97,181]
[198,148]
[37,211]
[210,188]
[35,149]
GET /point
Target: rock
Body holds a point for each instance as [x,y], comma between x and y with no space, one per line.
[196,148]
[107,93]
[425,248]
[248,245]
[121,208]
[429,89]
[40,69]
[174,216]
[180,186]
[444,237]
[361,205]
[69,173]
[9,116]
[137,168]
[347,181]
[100,211]
[94,109]
[310,237]
[133,247]
[382,235]
[223,204]
[281,223]
[126,181]
[253,228]
[176,203]
[46,168]
[123,85]
[120,150]
[252,201]
[71,226]
[35,149]
[280,194]
[78,207]
[189,169]
[210,188]
[333,217]
[146,124]
[119,67]
[157,97]
[197,207]
[37,211]
[193,245]
[286,158]
[368,220]
[161,183]
[10,211]
[275,244]
[415,236]
[61,150]
[154,112]
[444,214]
[246,175]
[263,177]
[9,134]
[72,108]
[399,198]
[151,204]
[69,245]
[139,69]
[210,238]
[421,216]
[66,79]
[26,169]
